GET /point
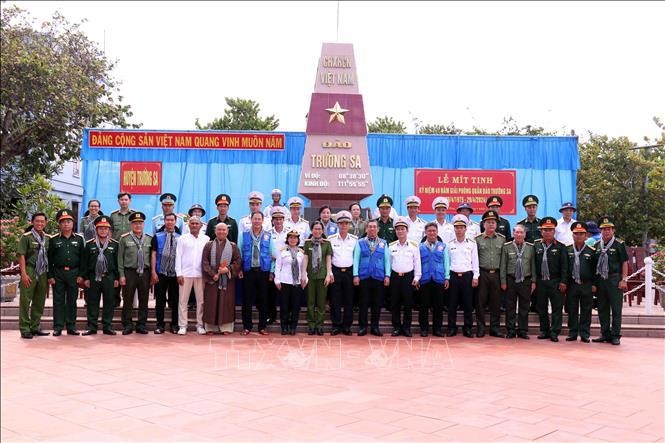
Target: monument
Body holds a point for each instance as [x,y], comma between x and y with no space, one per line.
[335,165]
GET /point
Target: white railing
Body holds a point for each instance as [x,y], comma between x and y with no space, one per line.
[649,286]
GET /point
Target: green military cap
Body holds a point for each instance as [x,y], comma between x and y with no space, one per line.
[64,214]
[136,217]
[103,221]
[605,222]
[530,200]
[167,198]
[494,200]
[547,223]
[490,215]
[384,200]
[579,226]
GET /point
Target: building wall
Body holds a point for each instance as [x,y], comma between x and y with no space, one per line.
[67,186]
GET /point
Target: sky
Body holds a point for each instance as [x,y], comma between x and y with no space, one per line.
[565,66]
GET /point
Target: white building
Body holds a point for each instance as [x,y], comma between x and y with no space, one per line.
[67,186]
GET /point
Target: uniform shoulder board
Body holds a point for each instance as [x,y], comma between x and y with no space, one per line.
[51,235]
[471,240]
[528,243]
[92,240]
[539,240]
[507,243]
[125,234]
[330,237]
[353,236]
[302,219]
[591,247]
[500,235]
[393,243]
[79,234]
[479,235]
[116,211]
[618,240]
[413,243]
[112,240]
[27,233]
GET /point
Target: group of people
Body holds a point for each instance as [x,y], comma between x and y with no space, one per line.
[392,261]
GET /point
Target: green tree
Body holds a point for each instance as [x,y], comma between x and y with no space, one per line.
[449,129]
[55,82]
[241,115]
[624,181]
[386,125]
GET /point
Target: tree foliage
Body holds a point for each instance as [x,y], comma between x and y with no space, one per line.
[509,126]
[386,125]
[55,82]
[241,114]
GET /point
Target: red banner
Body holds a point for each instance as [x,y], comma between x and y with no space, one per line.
[141,177]
[473,186]
[185,140]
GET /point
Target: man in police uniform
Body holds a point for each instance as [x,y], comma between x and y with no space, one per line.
[445,229]
[405,275]
[489,245]
[134,269]
[611,280]
[341,293]
[579,294]
[223,201]
[530,222]
[64,259]
[416,224]
[473,227]
[494,203]
[295,221]
[255,200]
[33,262]
[518,265]
[464,276]
[100,275]
[385,222]
[276,195]
[120,225]
[168,205]
[552,276]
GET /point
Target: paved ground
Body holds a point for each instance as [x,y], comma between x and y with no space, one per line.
[166,388]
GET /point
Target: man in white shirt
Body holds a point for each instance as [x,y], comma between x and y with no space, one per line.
[295,221]
[464,274]
[563,233]
[278,234]
[341,292]
[255,199]
[405,275]
[189,251]
[276,195]
[472,227]
[446,231]
[416,224]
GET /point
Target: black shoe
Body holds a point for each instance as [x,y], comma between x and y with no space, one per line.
[310,331]
[497,334]
[451,333]
[377,332]
[285,331]
[127,331]
[159,330]
[437,333]
[523,335]
[335,331]
[26,335]
[543,337]
[467,334]
[347,332]
[71,332]
[40,333]
[174,331]
[89,332]
[142,331]
[424,333]
[571,338]
[601,340]
[480,333]
[57,332]
[511,334]
[362,331]
[585,339]
[270,320]
[292,331]
[109,332]
[319,331]
[407,333]
[396,333]
[554,338]
[502,309]
[616,341]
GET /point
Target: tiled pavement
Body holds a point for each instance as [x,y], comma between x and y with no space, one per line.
[172,388]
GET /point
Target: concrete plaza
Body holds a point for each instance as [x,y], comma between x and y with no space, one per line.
[233,388]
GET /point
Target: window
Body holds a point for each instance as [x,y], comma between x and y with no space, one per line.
[76,168]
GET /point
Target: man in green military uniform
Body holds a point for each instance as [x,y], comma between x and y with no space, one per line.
[223,201]
[611,280]
[65,251]
[552,276]
[134,271]
[489,245]
[386,228]
[33,262]
[518,266]
[99,270]
[579,294]
[120,225]
[531,223]
[494,203]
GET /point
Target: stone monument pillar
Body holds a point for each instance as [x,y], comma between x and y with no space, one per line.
[335,166]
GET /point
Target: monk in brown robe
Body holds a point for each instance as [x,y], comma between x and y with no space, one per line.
[221,265]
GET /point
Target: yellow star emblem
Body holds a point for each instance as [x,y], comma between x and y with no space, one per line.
[337,113]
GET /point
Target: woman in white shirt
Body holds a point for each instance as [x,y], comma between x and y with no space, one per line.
[290,280]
